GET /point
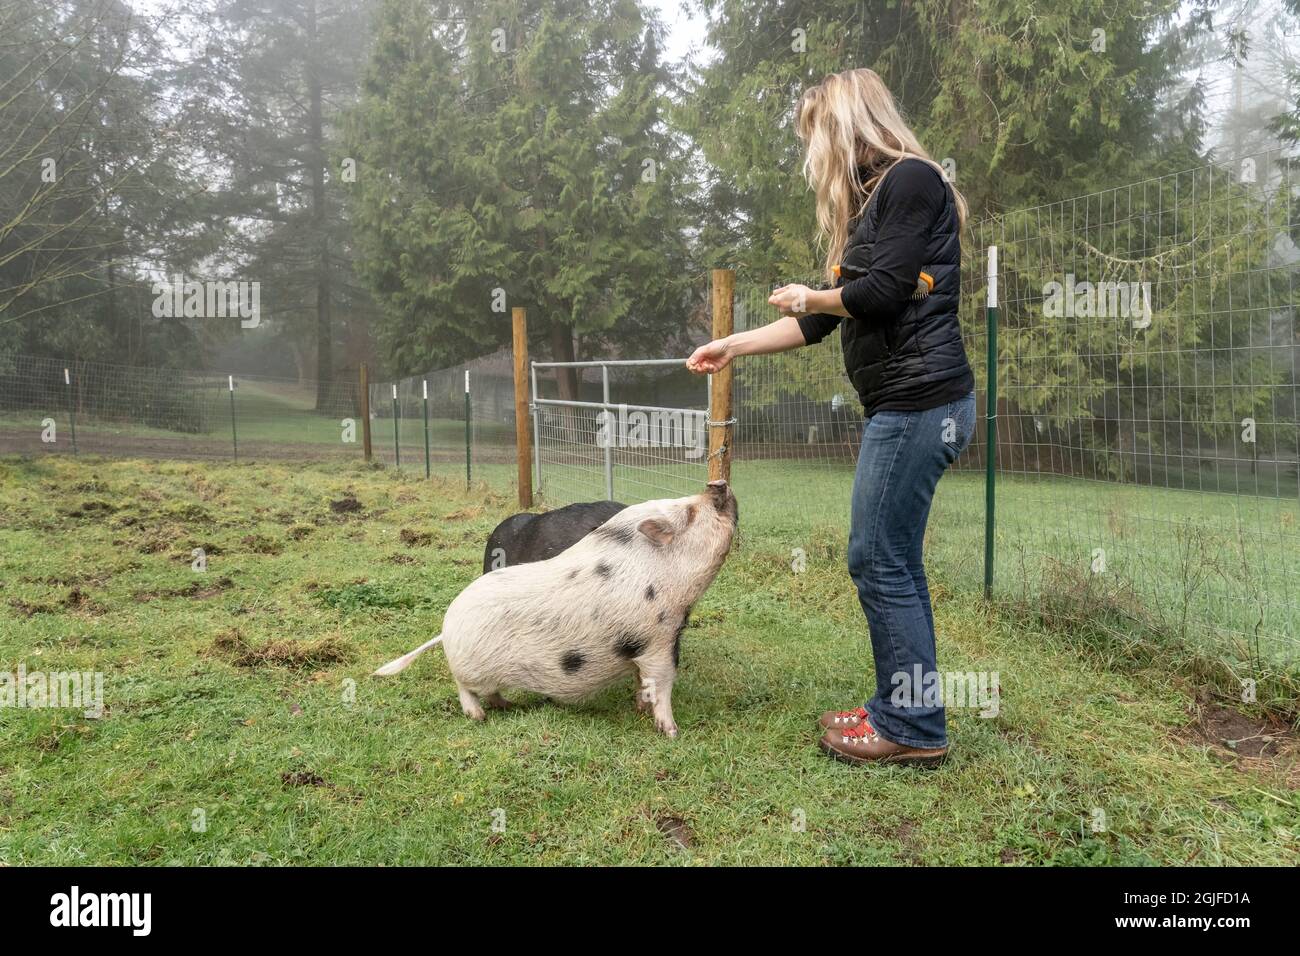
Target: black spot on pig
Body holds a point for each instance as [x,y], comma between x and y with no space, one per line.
[650,592]
[677,641]
[572,574]
[603,569]
[618,533]
[630,647]
[660,618]
[572,662]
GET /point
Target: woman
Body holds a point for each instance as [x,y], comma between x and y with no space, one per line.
[892,224]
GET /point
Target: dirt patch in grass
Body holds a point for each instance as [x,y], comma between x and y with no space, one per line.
[79,601]
[189,512]
[90,509]
[401,559]
[75,600]
[461,514]
[164,538]
[1232,734]
[198,590]
[72,580]
[49,743]
[302,778]
[346,505]
[284,652]
[300,531]
[207,547]
[415,539]
[30,609]
[260,544]
[676,830]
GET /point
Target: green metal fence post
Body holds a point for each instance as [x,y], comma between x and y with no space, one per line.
[427,468]
[72,407]
[397,445]
[990,422]
[467,431]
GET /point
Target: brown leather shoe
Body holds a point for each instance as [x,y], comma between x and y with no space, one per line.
[863,744]
[842,719]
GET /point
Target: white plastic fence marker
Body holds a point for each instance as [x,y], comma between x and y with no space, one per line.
[428,465]
[234,433]
[993,277]
[72,408]
[467,431]
[397,445]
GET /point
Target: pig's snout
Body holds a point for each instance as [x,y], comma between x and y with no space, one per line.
[719,492]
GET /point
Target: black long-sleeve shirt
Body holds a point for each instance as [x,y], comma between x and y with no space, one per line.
[911,196]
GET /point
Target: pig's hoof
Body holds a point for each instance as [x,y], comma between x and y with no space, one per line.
[470,705]
[667,729]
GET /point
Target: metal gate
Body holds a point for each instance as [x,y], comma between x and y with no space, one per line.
[619,450]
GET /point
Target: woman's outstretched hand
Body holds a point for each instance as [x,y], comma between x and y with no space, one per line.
[710,357]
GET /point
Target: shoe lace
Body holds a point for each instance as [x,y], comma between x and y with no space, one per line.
[859,712]
[864,729]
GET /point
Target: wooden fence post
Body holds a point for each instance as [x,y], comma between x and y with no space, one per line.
[365,410]
[523,439]
[720,420]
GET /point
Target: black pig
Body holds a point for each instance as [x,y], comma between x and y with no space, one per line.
[525,537]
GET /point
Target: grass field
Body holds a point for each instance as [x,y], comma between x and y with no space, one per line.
[240,725]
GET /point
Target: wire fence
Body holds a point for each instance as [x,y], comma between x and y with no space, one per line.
[79,407]
[632,431]
[53,406]
[456,422]
[1148,419]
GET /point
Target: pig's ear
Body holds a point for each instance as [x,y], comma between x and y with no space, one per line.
[659,532]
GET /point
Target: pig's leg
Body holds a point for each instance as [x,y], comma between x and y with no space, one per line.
[642,694]
[657,675]
[469,703]
[495,699]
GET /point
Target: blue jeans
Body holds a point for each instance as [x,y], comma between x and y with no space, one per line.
[902,458]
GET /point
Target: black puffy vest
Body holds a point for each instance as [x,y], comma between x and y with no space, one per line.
[910,362]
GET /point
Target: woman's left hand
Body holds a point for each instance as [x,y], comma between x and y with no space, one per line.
[793,300]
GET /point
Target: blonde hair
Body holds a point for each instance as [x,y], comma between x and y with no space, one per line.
[851,124]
